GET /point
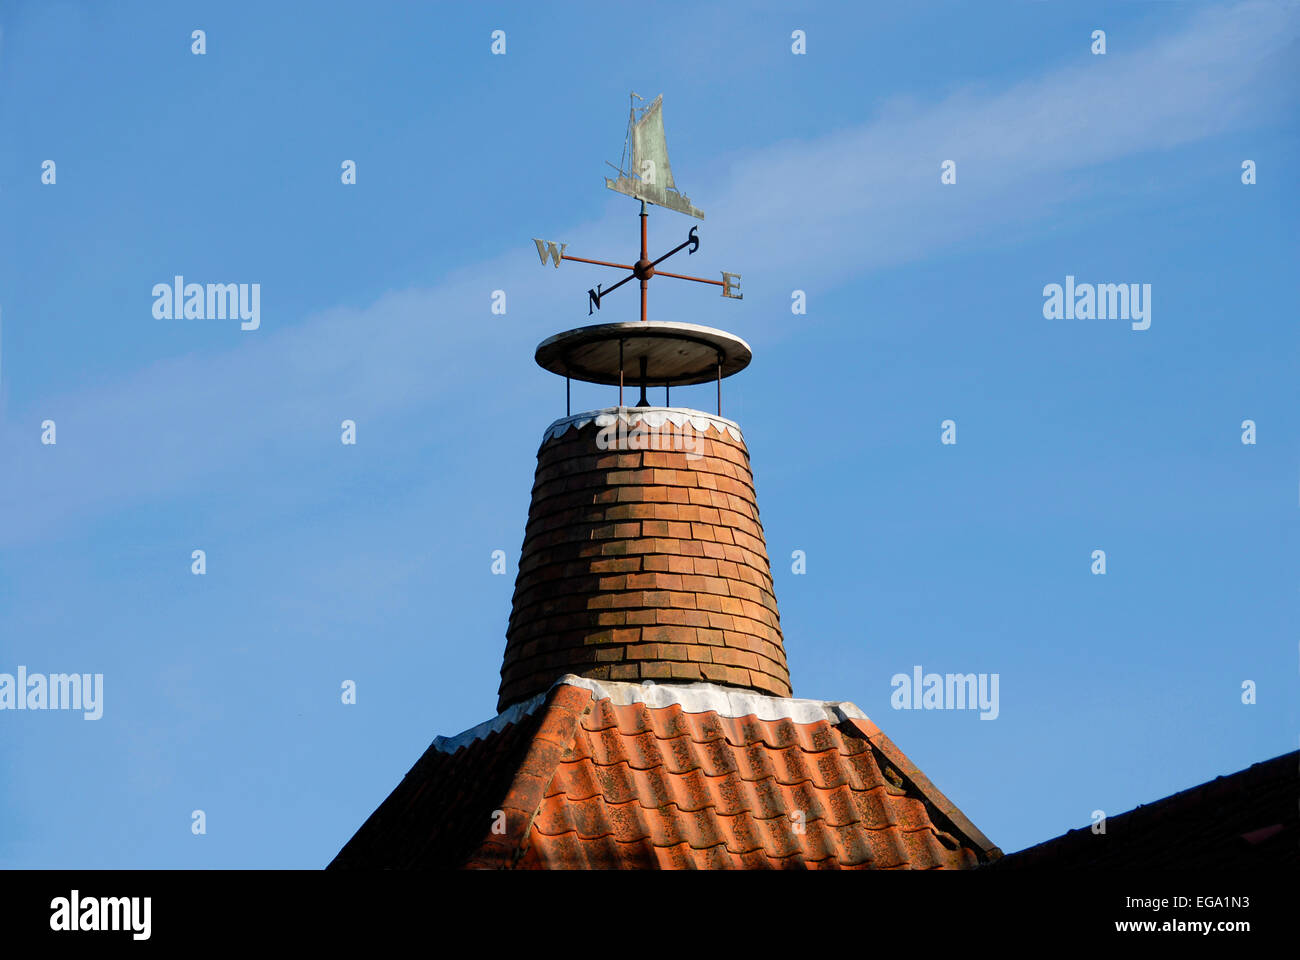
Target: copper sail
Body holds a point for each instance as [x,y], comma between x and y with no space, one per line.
[651,177]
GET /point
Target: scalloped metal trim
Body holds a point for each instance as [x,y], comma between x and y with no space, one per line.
[692,697]
[653,417]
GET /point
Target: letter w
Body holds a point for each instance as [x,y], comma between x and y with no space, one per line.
[545,247]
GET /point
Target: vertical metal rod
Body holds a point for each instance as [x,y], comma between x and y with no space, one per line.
[667,400]
[719,384]
[643,402]
[620,373]
[644,256]
[567,411]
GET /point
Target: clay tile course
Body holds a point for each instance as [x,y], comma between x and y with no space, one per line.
[566,592]
[599,775]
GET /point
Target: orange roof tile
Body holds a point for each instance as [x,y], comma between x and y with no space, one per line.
[590,775]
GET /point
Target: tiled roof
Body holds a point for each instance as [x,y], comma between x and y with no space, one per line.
[644,560]
[621,775]
[1245,819]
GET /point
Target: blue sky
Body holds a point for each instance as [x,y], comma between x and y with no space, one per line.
[818,172]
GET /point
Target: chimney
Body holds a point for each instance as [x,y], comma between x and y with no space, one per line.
[644,717]
[644,627]
[643,556]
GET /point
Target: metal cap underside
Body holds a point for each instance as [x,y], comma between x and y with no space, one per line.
[675,353]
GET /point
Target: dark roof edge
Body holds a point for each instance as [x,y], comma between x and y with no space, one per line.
[560,714]
[876,737]
[1173,799]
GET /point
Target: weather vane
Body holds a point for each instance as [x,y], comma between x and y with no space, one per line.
[666,353]
[650,180]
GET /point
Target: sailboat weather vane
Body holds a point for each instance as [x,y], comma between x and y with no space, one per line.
[666,353]
[649,180]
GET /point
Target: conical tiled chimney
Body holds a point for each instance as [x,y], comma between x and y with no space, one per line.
[644,715]
[644,558]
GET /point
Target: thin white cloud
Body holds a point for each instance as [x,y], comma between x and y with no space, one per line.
[860,198]
[875,188]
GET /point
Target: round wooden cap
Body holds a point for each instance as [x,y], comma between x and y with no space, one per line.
[675,353]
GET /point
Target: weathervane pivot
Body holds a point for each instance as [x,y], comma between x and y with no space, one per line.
[663,353]
[652,184]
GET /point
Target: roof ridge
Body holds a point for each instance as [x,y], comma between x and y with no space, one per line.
[730,702]
[925,786]
[508,716]
[1243,781]
[507,840]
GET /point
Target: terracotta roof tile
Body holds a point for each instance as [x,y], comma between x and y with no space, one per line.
[588,782]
